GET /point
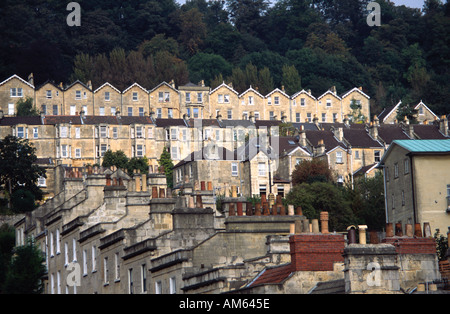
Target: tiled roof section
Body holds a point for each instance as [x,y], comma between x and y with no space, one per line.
[360,138]
[272,275]
[328,139]
[267,123]
[328,125]
[236,123]
[93,120]
[208,153]
[363,170]
[428,131]
[287,144]
[51,120]
[203,122]
[44,161]
[10,121]
[391,132]
[386,112]
[170,122]
[305,125]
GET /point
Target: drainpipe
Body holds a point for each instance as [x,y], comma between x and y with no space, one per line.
[411,169]
[385,195]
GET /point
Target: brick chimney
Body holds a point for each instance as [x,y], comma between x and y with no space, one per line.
[316,252]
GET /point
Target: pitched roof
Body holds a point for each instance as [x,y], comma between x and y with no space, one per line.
[360,139]
[390,132]
[329,140]
[388,111]
[250,89]
[277,90]
[135,85]
[170,122]
[357,90]
[272,275]
[365,169]
[78,82]
[163,84]
[107,84]
[427,131]
[303,92]
[15,76]
[210,152]
[267,123]
[421,103]
[223,85]
[329,92]
[30,120]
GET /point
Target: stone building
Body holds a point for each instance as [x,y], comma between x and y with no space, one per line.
[416,182]
[14,89]
[166,101]
[107,101]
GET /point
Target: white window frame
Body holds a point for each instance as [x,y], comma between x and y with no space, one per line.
[262,169]
[339,159]
[11,109]
[234,169]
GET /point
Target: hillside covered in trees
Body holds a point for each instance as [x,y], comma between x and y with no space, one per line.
[310,44]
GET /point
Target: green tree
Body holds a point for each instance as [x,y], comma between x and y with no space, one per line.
[193,30]
[323,196]
[17,166]
[22,201]
[309,171]
[205,66]
[25,272]
[291,79]
[366,199]
[138,163]
[265,81]
[25,108]
[7,242]
[406,111]
[247,14]
[165,161]
[118,159]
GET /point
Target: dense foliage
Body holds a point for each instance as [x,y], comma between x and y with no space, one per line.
[360,202]
[19,172]
[311,44]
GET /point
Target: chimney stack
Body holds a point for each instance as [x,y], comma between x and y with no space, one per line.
[324,222]
[31,79]
[443,125]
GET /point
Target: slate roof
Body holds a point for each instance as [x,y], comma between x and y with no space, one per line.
[208,153]
[359,138]
[328,138]
[391,132]
[10,121]
[427,131]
